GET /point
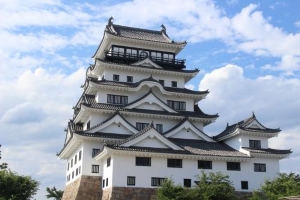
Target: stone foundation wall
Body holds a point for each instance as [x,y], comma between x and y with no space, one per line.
[84,188]
[129,193]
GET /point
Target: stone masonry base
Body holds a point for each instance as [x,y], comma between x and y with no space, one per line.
[84,188]
[129,193]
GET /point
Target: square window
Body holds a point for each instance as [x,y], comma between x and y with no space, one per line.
[143,161]
[130,180]
[203,164]
[176,163]
[234,166]
[244,185]
[95,168]
[258,167]
[108,162]
[129,79]
[157,181]
[116,77]
[159,128]
[174,83]
[95,152]
[187,182]
[255,143]
[162,82]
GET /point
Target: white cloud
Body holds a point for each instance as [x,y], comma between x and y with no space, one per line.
[234,97]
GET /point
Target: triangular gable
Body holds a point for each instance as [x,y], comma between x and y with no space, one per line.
[147,62]
[116,124]
[187,130]
[152,139]
[255,124]
[150,99]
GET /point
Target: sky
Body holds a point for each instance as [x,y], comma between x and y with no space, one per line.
[248,53]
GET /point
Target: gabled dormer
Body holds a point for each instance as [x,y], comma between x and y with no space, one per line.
[247,133]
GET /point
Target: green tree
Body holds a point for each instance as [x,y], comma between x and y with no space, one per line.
[16,187]
[282,186]
[3,165]
[170,191]
[53,193]
[215,186]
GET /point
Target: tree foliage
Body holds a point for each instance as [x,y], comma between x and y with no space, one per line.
[16,187]
[54,193]
[3,165]
[282,186]
[170,191]
[215,186]
[212,186]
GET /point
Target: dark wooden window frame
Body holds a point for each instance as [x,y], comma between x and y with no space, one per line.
[233,166]
[204,164]
[143,161]
[174,163]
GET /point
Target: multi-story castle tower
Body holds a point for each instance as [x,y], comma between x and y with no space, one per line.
[136,124]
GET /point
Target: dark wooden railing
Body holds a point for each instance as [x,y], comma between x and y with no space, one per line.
[127,58]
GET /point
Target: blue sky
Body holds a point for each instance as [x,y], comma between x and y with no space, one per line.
[248,53]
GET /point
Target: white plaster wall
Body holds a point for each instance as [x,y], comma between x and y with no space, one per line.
[235,142]
[116,128]
[125,166]
[186,134]
[245,140]
[75,166]
[107,172]
[151,142]
[138,76]
[88,161]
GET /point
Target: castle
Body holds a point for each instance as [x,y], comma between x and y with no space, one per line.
[136,124]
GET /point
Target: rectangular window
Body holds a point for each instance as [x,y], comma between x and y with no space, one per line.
[157,181]
[159,128]
[116,77]
[203,164]
[79,157]
[79,169]
[72,163]
[177,163]
[143,161]
[119,50]
[187,182]
[106,182]
[141,126]
[129,79]
[117,99]
[258,167]
[130,180]
[108,162]
[95,152]
[176,105]
[244,185]
[103,183]
[162,82]
[174,83]
[234,166]
[95,168]
[72,174]
[255,143]
[75,160]
[88,125]
[68,165]
[76,171]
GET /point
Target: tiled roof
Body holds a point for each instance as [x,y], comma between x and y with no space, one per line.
[243,126]
[105,135]
[191,147]
[267,151]
[140,34]
[147,67]
[204,148]
[91,102]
